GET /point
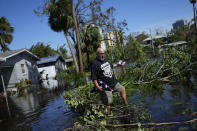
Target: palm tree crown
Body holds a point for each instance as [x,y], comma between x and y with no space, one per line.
[5,33]
[60,18]
[192,1]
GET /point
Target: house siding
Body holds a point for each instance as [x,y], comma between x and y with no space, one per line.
[13,79]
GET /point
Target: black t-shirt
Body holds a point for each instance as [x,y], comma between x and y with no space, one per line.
[102,70]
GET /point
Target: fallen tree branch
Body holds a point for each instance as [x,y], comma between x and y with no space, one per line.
[142,124]
[166,79]
[153,124]
[122,116]
[159,70]
[143,72]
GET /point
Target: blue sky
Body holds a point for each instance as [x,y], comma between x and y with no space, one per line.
[141,15]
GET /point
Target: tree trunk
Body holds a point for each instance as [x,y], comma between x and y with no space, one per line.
[153,46]
[195,20]
[72,52]
[88,59]
[77,35]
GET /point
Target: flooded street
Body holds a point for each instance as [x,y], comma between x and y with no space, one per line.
[45,111]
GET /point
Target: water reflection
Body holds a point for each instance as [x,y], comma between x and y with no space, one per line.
[52,83]
[27,103]
[37,111]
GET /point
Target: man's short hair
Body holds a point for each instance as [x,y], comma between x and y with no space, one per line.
[97,51]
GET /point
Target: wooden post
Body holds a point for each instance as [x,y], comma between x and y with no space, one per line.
[5,94]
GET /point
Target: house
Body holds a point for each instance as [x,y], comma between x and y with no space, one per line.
[16,65]
[151,40]
[48,68]
[181,44]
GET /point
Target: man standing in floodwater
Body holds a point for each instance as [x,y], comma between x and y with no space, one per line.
[101,72]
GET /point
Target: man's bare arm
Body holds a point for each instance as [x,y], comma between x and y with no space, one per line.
[97,85]
[119,65]
[115,65]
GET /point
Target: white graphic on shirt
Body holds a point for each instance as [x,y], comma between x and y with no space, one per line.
[107,69]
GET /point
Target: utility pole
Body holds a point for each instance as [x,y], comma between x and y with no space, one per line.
[153,46]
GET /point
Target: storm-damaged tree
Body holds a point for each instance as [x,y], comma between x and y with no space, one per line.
[60,19]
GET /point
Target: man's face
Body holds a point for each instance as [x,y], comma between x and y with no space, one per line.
[101,55]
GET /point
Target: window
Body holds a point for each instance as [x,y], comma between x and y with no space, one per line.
[23,68]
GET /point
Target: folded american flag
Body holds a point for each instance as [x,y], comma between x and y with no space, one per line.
[103,85]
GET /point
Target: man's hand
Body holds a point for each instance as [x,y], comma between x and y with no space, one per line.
[119,64]
[123,63]
[100,88]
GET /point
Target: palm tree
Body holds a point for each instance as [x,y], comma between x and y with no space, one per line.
[60,19]
[91,40]
[5,33]
[195,21]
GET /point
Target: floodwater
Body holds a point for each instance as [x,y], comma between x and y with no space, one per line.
[41,111]
[173,103]
[46,110]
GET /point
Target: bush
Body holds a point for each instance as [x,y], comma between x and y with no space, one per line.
[72,79]
[23,85]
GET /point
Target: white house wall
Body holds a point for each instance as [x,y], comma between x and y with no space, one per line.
[50,70]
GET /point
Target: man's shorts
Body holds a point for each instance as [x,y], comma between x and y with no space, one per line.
[107,96]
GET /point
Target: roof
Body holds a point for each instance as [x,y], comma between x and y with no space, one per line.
[154,37]
[69,60]
[174,44]
[8,54]
[49,59]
